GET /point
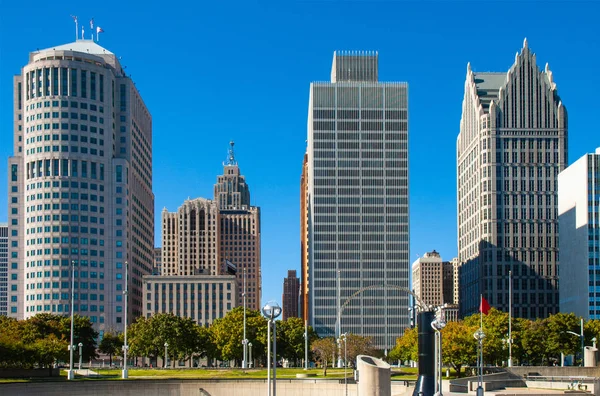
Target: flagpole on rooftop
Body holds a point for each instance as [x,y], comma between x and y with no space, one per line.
[76,27]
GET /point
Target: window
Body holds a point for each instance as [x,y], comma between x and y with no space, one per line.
[74,82]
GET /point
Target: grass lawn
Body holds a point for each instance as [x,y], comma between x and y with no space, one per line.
[403,373]
[232,373]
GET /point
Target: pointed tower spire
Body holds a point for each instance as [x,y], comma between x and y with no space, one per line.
[525,43]
[468,67]
[230,156]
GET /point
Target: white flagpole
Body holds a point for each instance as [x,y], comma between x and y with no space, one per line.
[76,26]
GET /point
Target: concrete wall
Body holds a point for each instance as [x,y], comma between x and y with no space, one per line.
[502,379]
[29,373]
[312,387]
[553,371]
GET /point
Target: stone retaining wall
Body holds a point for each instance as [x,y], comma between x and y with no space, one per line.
[29,373]
[311,387]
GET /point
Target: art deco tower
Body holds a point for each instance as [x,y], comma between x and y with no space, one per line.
[203,234]
[356,209]
[80,187]
[511,146]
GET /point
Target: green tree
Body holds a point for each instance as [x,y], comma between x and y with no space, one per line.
[227,333]
[171,329]
[558,340]
[591,329]
[495,327]
[110,345]
[83,333]
[141,339]
[533,341]
[186,332]
[324,349]
[290,339]
[11,344]
[518,329]
[36,328]
[49,349]
[204,346]
[406,347]
[185,338]
[459,347]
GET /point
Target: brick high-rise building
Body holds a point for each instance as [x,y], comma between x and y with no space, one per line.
[80,187]
[511,146]
[290,297]
[428,279]
[203,234]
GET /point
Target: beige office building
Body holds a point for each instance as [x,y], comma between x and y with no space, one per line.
[427,279]
[80,187]
[203,234]
[199,297]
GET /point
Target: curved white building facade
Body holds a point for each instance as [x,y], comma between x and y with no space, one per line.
[80,187]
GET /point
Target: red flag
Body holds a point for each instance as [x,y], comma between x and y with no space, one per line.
[484,307]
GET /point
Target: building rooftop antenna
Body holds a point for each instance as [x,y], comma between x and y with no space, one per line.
[231,156]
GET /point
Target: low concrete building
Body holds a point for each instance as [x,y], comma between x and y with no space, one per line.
[202,298]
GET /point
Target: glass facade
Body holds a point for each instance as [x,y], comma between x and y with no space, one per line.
[357,203]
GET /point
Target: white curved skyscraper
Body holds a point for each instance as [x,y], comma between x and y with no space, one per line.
[80,186]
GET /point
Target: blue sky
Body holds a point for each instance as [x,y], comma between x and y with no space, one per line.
[211,72]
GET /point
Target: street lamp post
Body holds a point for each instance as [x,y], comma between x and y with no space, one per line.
[438,324]
[510,280]
[245,340]
[338,327]
[582,345]
[125,373]
[344,337]
[306,345]
[71,373]
[250,363]
[166,350]
[479,336]
[80,345]
[271,311]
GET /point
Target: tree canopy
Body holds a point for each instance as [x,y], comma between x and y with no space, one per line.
[43,339]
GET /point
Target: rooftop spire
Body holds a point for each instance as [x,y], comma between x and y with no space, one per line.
[231,156]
